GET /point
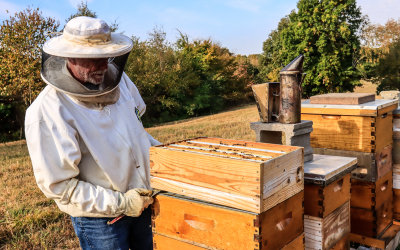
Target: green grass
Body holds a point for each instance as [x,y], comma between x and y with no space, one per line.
[28,220]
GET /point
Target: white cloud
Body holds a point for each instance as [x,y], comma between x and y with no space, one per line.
[75,3]
[380,11]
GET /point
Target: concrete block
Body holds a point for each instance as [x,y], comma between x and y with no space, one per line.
[297,134]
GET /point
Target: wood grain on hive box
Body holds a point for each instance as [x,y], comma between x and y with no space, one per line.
[219,227]
[362,128]
[371,222]
[324,233]
[327,184]
[396,192]
[342,98]
[161,242]
[389,239]
[365,194]
[245,175]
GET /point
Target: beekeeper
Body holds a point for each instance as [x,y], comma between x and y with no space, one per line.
[89,150]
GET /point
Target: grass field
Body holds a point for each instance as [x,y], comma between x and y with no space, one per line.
[28,220]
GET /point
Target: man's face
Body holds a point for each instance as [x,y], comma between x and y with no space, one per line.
[90,70]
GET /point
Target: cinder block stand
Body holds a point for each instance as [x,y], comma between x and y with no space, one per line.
[297,134]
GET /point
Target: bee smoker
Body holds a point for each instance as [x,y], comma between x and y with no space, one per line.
[291,78]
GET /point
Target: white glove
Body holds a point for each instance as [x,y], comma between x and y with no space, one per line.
[137,200]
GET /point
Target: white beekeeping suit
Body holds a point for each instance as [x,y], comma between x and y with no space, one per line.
[86,141]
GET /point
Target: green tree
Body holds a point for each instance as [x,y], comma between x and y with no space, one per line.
[83,10]
[186,78]
[387,71]
[21,39]
[378,41]
[272,60]
[327,33]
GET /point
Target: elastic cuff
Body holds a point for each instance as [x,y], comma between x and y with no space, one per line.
[69,190]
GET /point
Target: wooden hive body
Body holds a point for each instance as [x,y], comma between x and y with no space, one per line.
[388,240]
[211,226]
[245,175]
[161,242]
[396,192]
[327,183]
[324,233]
[327,201]
[369,195]
[371,206]
[361,128]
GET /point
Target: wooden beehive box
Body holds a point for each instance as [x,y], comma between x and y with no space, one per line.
[197,223]
[365,194]
[362,131]
[327,184]
[324,233]
[363,128]
[161,242]
[389,239]
[371,206]
[327,200]
[245,175]
[396,192]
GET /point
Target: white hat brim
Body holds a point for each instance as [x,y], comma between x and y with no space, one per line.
[59,46]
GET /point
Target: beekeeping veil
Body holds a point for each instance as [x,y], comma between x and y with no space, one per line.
[85,37]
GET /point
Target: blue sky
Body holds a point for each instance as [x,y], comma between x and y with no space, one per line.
[239,25]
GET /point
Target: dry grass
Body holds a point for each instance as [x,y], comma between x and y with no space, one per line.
[28,220]
[234,124]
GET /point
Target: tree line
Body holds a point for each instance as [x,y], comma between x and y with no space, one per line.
[187,78]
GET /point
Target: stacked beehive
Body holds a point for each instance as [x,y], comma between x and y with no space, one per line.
[396,164]
[363,130]
[227,194]
[327,201]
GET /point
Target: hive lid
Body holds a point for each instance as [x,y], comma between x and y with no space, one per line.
[343,98]
[373,108]
[325,169]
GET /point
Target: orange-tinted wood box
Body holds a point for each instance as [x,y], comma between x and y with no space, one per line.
[161,242]
[327,183]
[327,200]
[371,222]
[363,127]
[324,233]
[343,244]
[218,227]
[369,195]
[396,192]
[320,201]
[240,174]
[389,239]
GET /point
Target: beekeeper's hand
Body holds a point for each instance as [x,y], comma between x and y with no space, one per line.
[137,200]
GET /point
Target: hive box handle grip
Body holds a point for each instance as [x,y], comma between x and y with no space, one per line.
[283,224]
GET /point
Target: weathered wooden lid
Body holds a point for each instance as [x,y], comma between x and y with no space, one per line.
[373,108]
[325,169]
[342,98]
